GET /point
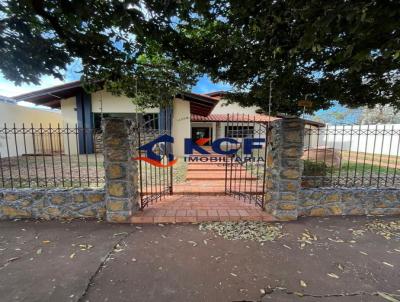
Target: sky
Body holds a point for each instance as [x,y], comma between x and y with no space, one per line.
[8,88]
[204,84]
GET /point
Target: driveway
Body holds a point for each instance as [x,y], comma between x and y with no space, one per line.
[96,261]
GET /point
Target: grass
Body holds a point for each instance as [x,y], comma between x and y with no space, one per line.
[360,168]
[353,174]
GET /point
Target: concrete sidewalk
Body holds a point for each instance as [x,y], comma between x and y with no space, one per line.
[91,261]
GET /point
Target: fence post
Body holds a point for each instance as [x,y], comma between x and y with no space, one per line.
[285,168]
[121,174]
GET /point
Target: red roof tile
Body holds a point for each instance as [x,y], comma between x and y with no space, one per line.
[233,118]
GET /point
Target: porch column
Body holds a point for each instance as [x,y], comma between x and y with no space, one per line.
[285,168]
[85,122]
[121,173]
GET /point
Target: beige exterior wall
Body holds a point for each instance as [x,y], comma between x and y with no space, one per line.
[223,108]
[181,128]
[20,115]
[103,101]
[69,116]
[68,112]
[11,114]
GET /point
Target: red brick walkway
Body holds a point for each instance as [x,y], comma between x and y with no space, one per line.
[202,198]
[209,179]
[190,208]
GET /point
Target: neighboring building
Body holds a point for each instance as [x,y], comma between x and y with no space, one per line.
[190,116]
[13,115]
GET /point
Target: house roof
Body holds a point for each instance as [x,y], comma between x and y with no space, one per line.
[216,94]
[234,118]
[199,103]
[7,100]
[51,96]
[244,118]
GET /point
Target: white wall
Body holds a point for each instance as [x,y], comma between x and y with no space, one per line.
[68,112]
[10,114]
[181,127]
[223,108]
[355,138]
[106,102]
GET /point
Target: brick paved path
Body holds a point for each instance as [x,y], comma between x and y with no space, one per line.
[192,208]
[202,198]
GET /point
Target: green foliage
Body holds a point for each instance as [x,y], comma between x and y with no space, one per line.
[380,115]
[312,168]
[118,43]
[322,51]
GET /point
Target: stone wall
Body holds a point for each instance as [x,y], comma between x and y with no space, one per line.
[284,168]
[52,203]
[120,144]
[286,199]
[348,201]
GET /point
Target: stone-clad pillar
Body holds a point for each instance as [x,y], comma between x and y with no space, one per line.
[285,168]
[120,143]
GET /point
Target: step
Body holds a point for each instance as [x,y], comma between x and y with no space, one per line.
[217,176]
[196,187]
[203,167]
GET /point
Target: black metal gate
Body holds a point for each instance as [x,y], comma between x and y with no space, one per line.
[246,174]
[155,182]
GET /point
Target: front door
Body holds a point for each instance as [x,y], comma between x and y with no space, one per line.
[201,132]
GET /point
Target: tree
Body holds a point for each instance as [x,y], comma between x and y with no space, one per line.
[348,51]
[324,51]
[380,115]
[118,43]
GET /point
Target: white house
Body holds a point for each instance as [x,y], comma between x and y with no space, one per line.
[191,115]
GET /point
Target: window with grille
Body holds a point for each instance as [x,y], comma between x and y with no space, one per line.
[239,131]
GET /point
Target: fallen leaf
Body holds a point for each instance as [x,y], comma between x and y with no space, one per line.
[364,253]
[388,264]
[332,275]
[39,251]
[72,255]
[234,275]
[46,241]
[119,234]
[336,240]
[303,284]
[387,297]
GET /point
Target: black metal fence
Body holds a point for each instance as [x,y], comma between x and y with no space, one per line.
[246,174]
[155,182]
[50,157]
[352,156]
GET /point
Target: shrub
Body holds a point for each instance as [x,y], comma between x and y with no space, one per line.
[312,168]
